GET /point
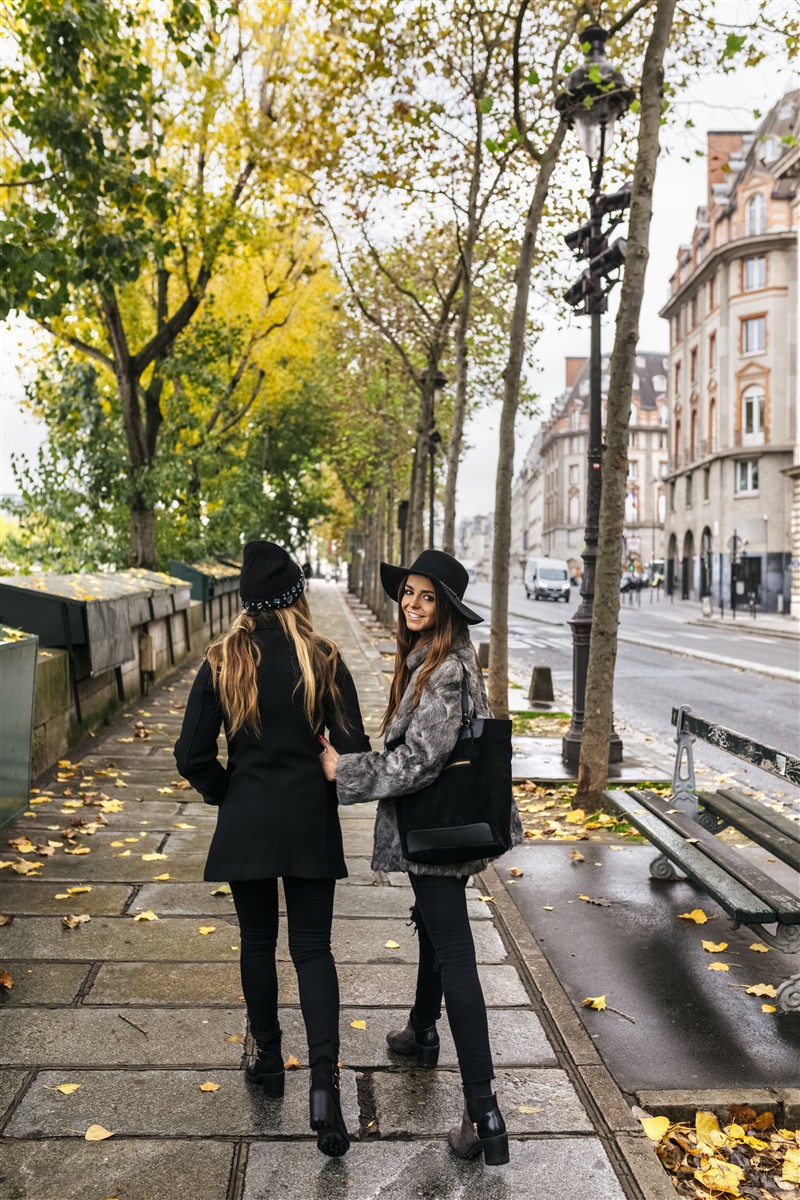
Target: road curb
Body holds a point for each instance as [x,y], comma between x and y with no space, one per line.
[738,663]
[747,627]
[630,1151]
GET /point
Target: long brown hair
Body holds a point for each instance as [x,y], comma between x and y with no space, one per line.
[235,655]
[449,624]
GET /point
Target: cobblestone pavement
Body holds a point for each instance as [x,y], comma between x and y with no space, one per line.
[121,1022]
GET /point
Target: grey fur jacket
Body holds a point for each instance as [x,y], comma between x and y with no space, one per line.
[429,732]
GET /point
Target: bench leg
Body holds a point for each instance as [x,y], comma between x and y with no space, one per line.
[788,997]
[710,821]
[662,868]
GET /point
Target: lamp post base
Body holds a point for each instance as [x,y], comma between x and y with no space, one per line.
[571,747]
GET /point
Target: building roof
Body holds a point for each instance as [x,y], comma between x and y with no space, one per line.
[649,383]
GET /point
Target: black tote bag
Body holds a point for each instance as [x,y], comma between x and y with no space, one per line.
[465,814]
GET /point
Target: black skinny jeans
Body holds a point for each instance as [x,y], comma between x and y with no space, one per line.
[309,910]
[447,967]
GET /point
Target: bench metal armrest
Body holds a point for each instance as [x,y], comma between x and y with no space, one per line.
[683,778]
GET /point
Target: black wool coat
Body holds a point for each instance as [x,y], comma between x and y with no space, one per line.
[277,814]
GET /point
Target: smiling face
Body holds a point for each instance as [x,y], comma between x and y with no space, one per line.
[419,604]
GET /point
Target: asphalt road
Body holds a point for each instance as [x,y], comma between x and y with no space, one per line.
[651,679]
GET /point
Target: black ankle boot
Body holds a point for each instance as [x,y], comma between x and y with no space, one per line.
[490,1129]
[265,1068]
[325,1108]
[424,1043]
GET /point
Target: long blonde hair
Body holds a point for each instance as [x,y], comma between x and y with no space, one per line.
[235,655]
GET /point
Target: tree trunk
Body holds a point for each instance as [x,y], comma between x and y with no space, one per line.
[143,534]
[459,412]
[416,529]
[498,648]
[593,768]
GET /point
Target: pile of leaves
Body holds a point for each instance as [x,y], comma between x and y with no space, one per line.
[547,815]
[748,1157]
[531,724]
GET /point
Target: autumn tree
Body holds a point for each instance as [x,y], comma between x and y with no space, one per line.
[146,151]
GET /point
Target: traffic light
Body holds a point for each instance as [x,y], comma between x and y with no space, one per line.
[610,259]
[614,201]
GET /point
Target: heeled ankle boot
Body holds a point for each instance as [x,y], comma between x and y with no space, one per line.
[424,1043]
[265,1068]
[489,1129]
[325,1108]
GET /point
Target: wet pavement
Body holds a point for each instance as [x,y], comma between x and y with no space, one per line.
[140,1014]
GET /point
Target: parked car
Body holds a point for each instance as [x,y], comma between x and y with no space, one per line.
[547,579]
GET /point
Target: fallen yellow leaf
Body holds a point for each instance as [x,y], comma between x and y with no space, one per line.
[210,1087]
[77,891]
[72,922]
[697,915]
[718,966]
[655,1127]
[97,1133]
[598,1002]
[358,1024]
[204,929]
[66,1088]
[236,1039]
[292,1063]
[759,948]
[576,817]
[791,1165]
[721,1176]
[515,871]
[390,945]
[487,899]
[153,857]
[706,1122]
[761,989]
[715,947]
[148,915]
[224,889]
[183,825]
[77,850]
[527,1109]
[576,856]
[161,878]
[768,1008]
[123,854]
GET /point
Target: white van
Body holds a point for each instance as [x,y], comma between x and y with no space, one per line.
[547,579]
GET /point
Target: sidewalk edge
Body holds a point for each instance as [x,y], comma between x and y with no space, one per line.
[624,1139]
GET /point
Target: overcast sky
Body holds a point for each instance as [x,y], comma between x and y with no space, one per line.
[718,102]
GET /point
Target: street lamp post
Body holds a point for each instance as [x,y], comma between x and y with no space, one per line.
[434,440]
[595,97]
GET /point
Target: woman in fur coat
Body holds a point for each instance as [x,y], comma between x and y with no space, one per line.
[434,655]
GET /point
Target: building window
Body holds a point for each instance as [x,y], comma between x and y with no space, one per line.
[662,508]
[755,273]
[712,292]
[753,415]
[632,506]
[712,425]
[574,474]
[672,496]
[706,483]
[663,414]
[712,351]
[756,215]
[689,490]
[663,470]
[659,384]
[677,379]
[575,419]
[633,470]
[574,509]
[632,438]
[754,335]
[676,328]
[693,366]
[693,312]
[746,476]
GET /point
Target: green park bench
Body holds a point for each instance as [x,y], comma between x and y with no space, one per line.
[683,826]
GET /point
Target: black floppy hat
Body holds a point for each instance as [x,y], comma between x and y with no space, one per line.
[433,564]
[270,578]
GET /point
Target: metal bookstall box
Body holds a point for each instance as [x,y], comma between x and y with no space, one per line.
[91,616]
[18,652]
[216,585]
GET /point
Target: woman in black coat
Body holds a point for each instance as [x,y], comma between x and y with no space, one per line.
[274,685]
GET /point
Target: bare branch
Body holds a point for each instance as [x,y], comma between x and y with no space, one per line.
[77,344]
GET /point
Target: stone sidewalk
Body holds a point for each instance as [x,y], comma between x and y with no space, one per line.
[141,1013]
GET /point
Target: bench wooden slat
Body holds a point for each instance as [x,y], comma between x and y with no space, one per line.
[737,900]
[766,758]
[790,829]
[784,902]
[752,826]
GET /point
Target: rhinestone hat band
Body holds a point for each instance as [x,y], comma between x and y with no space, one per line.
[283,601]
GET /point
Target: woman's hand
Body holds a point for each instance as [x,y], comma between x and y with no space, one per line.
[329,758]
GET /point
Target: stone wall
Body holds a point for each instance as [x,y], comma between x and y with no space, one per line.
[56,726]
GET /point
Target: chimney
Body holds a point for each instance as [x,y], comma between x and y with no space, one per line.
[721,145]
[574,367]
